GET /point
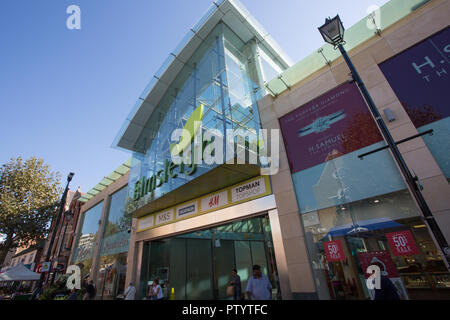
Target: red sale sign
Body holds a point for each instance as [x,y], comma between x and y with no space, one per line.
[402,243]
[334,251]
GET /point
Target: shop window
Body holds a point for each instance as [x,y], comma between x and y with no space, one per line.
[198,265]
[355,211]
[114,248]
[84,249]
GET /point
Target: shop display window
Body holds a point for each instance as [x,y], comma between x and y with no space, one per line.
[356,211]
[114,248]
[84,249]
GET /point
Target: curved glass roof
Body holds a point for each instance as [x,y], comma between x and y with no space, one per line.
[235,16]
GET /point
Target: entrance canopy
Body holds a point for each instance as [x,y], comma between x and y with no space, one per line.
[19,273]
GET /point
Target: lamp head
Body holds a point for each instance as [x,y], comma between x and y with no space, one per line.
[70,176]
[333,31]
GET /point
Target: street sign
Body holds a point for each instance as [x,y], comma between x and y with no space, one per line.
[45,267]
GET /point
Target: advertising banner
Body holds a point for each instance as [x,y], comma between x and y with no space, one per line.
[387,269]
[116,243]
[402,243]
[382,258]
[334,251]
[332,125]
[420,77]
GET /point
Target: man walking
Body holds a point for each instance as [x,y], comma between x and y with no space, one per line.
[258,286]
[91,292]
[130,292]
[236,283]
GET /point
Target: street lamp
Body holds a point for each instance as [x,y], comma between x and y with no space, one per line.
[333,33]
[68,215]
[58,217]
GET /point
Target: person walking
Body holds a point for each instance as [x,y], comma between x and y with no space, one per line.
[90,291]
[258,286]
[156,290]
[387,290]
[36,293]
[130,292]
[236,283]
[73,294]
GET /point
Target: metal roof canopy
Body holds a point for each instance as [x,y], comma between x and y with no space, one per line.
[107,181]
[238,19]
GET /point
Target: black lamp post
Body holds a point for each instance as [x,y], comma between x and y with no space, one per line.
[58,218]
[333,33]
[68,215]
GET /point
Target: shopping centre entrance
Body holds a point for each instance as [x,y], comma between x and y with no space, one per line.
[198,265]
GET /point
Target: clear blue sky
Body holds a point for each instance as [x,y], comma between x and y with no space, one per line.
[64,94]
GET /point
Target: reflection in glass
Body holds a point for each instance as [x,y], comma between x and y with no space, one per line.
[114,248]
[198,265]
[84,249]
[222,75]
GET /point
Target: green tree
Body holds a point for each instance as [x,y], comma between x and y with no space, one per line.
[29,193]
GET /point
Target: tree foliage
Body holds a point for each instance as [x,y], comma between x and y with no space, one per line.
[29,193]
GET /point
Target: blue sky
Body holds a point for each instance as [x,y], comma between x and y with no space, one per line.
[64,94]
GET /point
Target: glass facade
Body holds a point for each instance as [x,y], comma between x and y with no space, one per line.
[113,237]
[114,248]
[84,249]
[223,76]
[198,265]
[356,212]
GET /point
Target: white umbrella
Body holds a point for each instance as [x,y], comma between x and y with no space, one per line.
[19,273]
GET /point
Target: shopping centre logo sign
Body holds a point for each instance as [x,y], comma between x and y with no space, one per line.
[194,145]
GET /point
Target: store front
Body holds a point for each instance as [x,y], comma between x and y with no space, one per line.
[196,220]
[357,211]
[194,253]
[198,265]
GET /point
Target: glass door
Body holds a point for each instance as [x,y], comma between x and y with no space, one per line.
[198,265]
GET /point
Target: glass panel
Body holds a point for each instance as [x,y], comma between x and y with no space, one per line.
[114,248]
[198,265]
[84,248]
[244,261]
[224,263]
[222,75]
[259,255]
[112,274]
[199,270]
[177,271]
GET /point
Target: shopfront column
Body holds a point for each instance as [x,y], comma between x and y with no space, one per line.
[98,241]
[290,225]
